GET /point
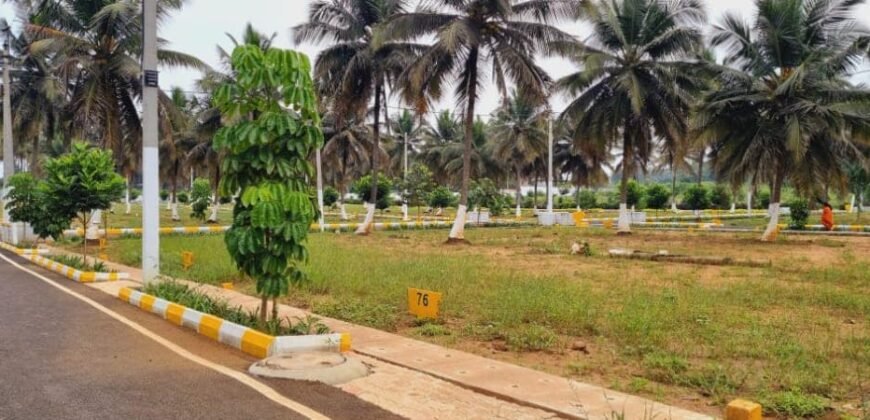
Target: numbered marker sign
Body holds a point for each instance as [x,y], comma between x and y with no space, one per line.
[424,303]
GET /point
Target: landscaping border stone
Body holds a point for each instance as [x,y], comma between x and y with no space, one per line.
[249,341]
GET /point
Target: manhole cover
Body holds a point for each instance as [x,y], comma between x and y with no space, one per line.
[326,367]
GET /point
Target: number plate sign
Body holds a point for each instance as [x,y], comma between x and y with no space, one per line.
[423,303]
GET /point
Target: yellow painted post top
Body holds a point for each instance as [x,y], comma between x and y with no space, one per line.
[186,259]
[424,304]
[579,218]
[743,410]
[345,344]
[228,286]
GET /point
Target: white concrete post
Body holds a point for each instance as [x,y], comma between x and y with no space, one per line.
[150,154]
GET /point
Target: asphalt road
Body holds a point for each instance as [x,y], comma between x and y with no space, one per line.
[61,358]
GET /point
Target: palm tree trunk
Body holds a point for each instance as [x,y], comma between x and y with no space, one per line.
[175,216]
[264,303]
[775,194]
[34,157]
[701,157]
[342,191]
[366,227]
[519,193]
[673,188]
[457,233]
[127,210]
[624,222]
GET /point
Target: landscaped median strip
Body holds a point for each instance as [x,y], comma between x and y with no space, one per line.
[73,274]
[22,251]
[247,340]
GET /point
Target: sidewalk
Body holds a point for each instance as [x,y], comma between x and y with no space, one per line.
[535,394]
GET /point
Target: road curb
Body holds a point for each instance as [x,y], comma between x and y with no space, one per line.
[23,251]
[247,340]
[73,274]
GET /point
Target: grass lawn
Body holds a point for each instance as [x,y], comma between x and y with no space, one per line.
[815,219]
[795,336]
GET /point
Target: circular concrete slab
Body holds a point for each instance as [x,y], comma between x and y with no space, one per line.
[326,367]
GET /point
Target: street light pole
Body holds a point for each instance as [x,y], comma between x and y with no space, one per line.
[550,164]
[319,164]
[150,154]
[8,147]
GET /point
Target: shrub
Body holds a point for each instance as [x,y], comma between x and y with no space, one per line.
[200,199]
[330,196]
[587,199]
[440,197]
[485,194]
[763,200]
[657,197]
[697,197]
[164,195]
[720,197]
[28,203]
[135,193]
[531,338]
[363,188]
[794,404]
[182,197]
[634,194]
[800,213]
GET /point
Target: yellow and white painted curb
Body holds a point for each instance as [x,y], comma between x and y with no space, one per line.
[247,340]
[73,274]
[23,251]
[138,231]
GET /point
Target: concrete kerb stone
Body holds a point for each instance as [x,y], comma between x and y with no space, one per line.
[247,340]
[23,251]
[73,274]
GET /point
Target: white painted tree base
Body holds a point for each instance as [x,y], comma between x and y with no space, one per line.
[772,226]
[457,232]
[623,225]
[365,227]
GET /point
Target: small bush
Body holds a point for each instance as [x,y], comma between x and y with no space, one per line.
[135,193]
[164,195]
[720,197]
[182,197]
[635,194]
[587,199]
[330,196]
[794,404]
[363,188]
[800,213]
[531,338]
[657,197]
[763,200]
[697,197]
[78,263]
[440,197]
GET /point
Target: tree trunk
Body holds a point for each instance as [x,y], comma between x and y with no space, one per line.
[457,233]
[673,187]
[274,307]
[624,221]
[264,303]
[128,210]
[535,192]
[772,230]
[701,157]
[34,157]
[174,203]
[216,204]
[366,227]
[519,193]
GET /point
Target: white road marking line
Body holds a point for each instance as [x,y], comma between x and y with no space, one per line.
[257,386]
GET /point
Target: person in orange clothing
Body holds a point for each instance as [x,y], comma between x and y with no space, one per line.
[828,216]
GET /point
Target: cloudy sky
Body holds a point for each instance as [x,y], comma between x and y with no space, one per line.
[203,24]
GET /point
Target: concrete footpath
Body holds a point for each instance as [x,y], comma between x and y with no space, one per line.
[509,383]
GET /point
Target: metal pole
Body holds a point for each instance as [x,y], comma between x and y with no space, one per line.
[550,164]
[320,188]
[8,148]
[150,154]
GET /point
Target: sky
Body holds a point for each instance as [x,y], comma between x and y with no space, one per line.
[203,24]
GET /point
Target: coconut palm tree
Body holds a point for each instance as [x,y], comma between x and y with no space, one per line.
[360,63]
[469,34]
[406,135]
[95,45]
[519,137]
[788,113]
[634,83]
[177,140]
